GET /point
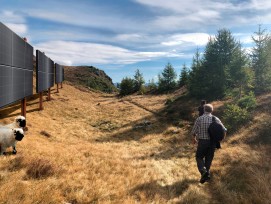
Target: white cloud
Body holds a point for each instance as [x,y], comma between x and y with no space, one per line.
[14,21]
[11,17]
[19,29]
[244,38]
[129,37]
[259,5]
[200,15]
[192,39]
[88,18]
[76,53]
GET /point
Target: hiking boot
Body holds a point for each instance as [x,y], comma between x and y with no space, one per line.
[205,176]
[208,177]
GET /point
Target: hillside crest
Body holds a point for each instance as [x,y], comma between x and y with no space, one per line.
[89,76]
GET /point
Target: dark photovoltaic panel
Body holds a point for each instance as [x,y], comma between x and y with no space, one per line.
[59,76]
[45,72]
[5,85]
[5,45]
[16,67]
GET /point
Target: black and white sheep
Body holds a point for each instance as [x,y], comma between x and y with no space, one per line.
[9,138]
[19,122]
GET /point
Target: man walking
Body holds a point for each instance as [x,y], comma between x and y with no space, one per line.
[206,149]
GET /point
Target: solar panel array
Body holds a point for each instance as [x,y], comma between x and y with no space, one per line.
[59,76]
[45,72]
[16,67]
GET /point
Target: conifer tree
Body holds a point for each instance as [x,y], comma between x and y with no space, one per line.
[167,79]
[260,63]
[195,76]
[217,58]
[240,73]
[138,80]
[183,76]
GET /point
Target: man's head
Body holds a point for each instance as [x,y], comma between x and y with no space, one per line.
[208,108]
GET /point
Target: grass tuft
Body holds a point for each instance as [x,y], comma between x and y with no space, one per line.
[40,168]
[16,164]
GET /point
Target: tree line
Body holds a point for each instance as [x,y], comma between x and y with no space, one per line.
[224,68]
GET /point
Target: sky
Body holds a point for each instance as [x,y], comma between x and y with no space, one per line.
[120,36]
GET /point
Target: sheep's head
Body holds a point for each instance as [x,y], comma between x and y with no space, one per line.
[20,121]
[19,133]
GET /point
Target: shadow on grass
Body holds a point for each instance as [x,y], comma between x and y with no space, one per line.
[133,134]
[167,152]
[30,101]
[152,189]
[6,112]
[172,144]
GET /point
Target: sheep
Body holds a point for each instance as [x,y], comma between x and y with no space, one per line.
[9,137]
[19,122]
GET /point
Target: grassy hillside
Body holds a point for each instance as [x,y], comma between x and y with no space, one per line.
[88,147]
[89,76]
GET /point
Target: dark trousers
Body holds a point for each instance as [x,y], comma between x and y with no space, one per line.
[204,155]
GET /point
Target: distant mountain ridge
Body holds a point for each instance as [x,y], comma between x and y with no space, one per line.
[89,76]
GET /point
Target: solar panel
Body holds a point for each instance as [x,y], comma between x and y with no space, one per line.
[28,57]
[16,67]
[59,76]
[5,45]
[18,52]
[5,85]
[28,87]
[45,72]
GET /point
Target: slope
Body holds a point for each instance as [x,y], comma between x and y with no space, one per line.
[88,147]
[89,76]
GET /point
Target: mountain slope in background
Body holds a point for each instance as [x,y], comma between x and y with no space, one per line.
[89,76]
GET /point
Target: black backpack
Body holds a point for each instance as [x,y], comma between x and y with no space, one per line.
[216,131]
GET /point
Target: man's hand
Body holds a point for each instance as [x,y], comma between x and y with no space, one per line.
[194,140]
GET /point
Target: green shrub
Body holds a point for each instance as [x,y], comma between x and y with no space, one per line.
[127,86]
[142,90]
[234,117]
[100,84]
[248,102]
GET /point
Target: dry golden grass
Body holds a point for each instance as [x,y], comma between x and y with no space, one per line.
[84,148]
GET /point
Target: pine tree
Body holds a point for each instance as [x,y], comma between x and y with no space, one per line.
[210,79]
[152,85]
[260,63]
[183,76]
[139,80]
[167,81]
[195,76]
[240,73]
[217,58]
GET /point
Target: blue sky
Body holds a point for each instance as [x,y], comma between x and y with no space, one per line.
[120,36]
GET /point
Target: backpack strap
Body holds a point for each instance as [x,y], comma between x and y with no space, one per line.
[213,118]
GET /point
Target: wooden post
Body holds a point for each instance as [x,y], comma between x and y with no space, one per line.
[57,88]
[40,95]
[49,94]
[23,107]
